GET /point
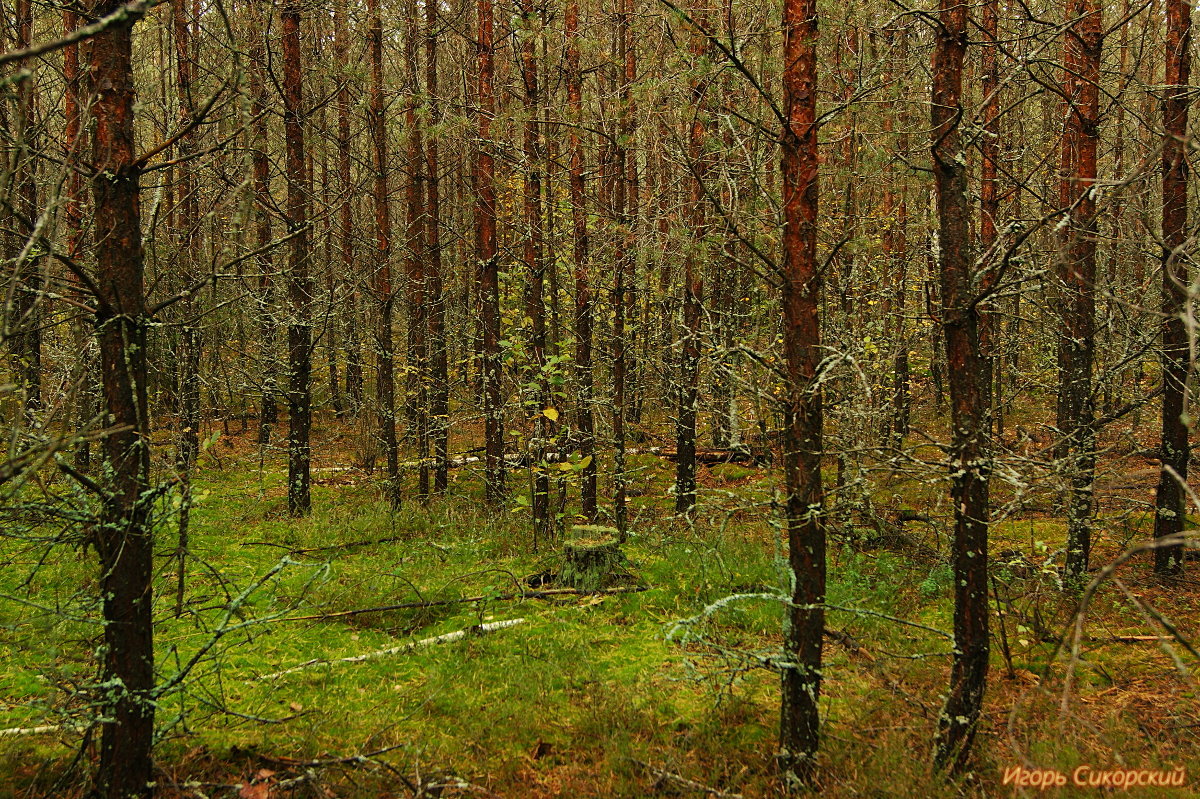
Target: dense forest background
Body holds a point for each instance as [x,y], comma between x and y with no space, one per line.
[807,383]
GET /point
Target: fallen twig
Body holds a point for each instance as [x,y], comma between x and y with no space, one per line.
[684,782]
[457,635]
[432,603]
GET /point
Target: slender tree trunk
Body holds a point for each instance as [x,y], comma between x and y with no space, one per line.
[416,406]
[353,378]
[124,538]
[86,402]
[622,257]
[1169,501]
[187,223]
[488,255]
[693,282]
[299,279]
[1077,341]
[385,386]
[800,294]
[535,304]
[439,386]
[968,397]
[261,167]
[584,379]
[25,336]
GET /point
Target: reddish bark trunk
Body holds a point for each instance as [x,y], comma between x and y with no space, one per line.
[488,255]
[1169,501]
[124,539]
[1077,341]
[803,419]
[968,396]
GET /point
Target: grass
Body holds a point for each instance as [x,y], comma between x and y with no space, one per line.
[589,696]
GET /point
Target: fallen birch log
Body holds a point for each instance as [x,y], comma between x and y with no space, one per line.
[446,638]
[547,593]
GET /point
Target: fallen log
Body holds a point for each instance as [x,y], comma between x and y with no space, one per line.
[457,635]
[433,603]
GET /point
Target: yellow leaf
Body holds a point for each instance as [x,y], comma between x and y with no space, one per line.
[551,414]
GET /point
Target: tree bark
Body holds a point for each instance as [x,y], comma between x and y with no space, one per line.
[488,256]
[439,386]
[968,396]
[299,278]
[800,293]
[584,378]
[1077,340]
[124,538]
[1170,505]
[385,385]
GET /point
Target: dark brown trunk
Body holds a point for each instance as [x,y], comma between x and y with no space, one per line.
[535,268]
[1077,339]
[25,323]
[261,167]
[416,404]
[439,387]
[385,385]
[488,255]
[800,294]
[1169,501]
[299,279]
[124,538]
[584,379]
[968,397]
[693,281]
[187,221]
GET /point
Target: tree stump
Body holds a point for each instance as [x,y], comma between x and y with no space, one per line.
[592,558]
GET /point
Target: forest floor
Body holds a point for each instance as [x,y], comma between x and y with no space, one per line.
[613,695]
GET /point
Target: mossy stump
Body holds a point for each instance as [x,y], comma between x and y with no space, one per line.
[592,558]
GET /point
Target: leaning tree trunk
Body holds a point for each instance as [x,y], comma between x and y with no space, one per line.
[803,421]
[968,396]
[124,537]
[1169,500]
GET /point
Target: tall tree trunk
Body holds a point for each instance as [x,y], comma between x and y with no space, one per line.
[800,294]
[385,386]
[86,402]
[25,336]
[124,537]
[969,448]
[584,379]
[439,386]
[622,257]
[299,279]
[353,377]
[535,304]
[261,167]
[693,282]
[187,223]
[489,266]
[1077,339]
[1169,500]
[416,406]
